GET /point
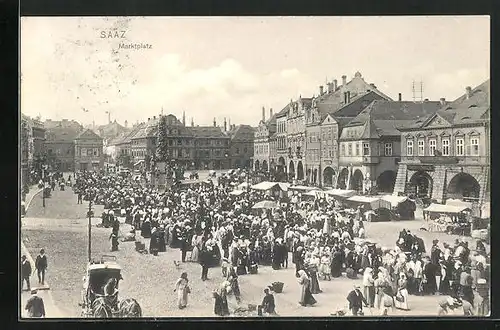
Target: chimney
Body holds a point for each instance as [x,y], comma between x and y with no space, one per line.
[225,125]
[192,122]
[442,101]
[126,123]
[344,80]
[270,113]
[334,84]
[330,87]
[426,100]
[399,97]
[348,97]
[154,117]
[149,119]
[183,118]
[215,122]
[320,90]
[263,114]
[468,92]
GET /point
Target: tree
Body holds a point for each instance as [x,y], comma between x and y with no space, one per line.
[161,144]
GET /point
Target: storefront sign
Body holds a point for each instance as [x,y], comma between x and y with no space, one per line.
[425,168]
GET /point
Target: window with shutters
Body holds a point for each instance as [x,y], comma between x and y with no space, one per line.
[432,147]
[409,148]
[421,147]
[445,147]
[357,149]
[349,149]
[343,149]
[388,149]
[474,144]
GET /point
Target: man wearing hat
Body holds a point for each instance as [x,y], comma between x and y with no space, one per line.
[356,301]
[34,305]
[25,272]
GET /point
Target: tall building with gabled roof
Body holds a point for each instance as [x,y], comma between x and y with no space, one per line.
[445,156]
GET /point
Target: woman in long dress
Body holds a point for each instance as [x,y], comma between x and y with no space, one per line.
[306,297]
[313,268]
[196,243]
[368,286]
[220,306]
[402,293]
[182,289]
[325,265]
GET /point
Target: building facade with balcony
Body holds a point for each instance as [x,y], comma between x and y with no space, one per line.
[370,144]
[89,153]
[262,141]
[447,155]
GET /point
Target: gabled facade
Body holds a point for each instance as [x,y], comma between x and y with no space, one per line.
[329,134]
[370,144]
[88,152]
[281,141]
[447,154]
[339,104]
[262,139]
[296,137]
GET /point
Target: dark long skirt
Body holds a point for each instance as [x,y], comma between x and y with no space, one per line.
[146,230]
[315,283]
[335,268]
[307,298]
[220,307]
[276,262]
[162,246]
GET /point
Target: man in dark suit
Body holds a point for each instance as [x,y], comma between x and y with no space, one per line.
[35,306]
[204,260]
[41,266]
[356,301]
[25,272]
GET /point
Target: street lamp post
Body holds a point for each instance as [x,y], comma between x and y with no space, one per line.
[89,214]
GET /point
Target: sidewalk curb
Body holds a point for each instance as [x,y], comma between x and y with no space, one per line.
[26,252]
[50,300]
[31,199]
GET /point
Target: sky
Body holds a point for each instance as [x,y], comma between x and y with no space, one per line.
[231,67]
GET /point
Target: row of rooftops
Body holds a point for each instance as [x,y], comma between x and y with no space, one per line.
[149,129]
[381,116]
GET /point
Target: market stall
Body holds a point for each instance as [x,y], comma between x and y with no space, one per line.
[266,185]
[243,186]
[236,192]
[402,206]
[340,193]
[302,189]
[452,219]
[368,202]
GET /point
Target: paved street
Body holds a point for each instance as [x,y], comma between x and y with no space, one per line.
[62,230]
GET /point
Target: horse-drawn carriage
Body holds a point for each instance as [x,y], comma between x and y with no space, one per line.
[100,291]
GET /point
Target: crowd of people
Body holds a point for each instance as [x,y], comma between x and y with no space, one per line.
[326,241]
